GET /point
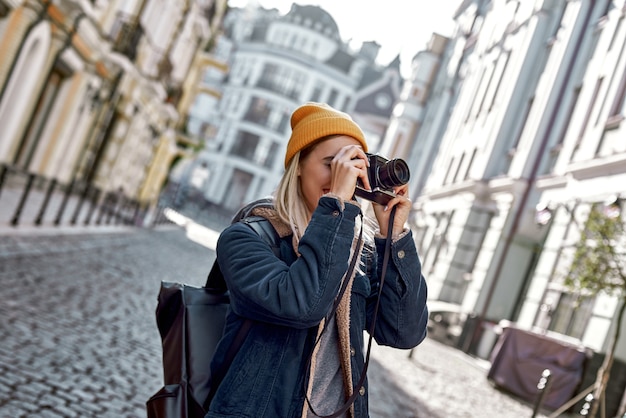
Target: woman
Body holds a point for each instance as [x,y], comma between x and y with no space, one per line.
[297,357]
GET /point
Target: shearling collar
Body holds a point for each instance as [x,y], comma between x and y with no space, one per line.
[271,215]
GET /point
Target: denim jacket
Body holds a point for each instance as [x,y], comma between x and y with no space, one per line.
[288,296]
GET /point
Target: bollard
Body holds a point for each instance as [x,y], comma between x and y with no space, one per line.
[120,209]
[66,197]
[544,387]
[584,410]
[103,207]
[79,205]
[93,203]
[46,201]
[22,202]
[111,207]
[135,220]
[4,169]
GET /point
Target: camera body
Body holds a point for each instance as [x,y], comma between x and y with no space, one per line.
[383,175]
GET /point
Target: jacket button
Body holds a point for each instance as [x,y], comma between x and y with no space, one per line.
[335,213]
[362,391]
[352,351]
[401,254]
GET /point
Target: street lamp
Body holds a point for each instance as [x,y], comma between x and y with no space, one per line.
[543,214]
[613,207]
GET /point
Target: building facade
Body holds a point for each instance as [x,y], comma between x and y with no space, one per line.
[276,63]
[89,90]
[532,120]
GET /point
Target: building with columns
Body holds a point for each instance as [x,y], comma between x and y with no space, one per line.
[528,120]
[275,63]
[89,90]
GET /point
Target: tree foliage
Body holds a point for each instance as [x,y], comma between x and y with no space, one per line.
[599,264]
[599,267]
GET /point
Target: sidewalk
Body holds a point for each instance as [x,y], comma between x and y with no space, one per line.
[437,382]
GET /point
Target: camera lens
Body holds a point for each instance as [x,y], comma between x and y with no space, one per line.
[393,173]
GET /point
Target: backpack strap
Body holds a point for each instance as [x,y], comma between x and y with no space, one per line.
[265,230]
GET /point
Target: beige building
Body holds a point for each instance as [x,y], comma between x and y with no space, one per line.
[89,91]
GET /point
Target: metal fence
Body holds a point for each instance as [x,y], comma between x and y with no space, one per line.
[31,199]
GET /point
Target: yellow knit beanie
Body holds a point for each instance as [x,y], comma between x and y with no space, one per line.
[313,121]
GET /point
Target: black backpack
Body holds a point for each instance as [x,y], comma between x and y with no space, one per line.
[191,323]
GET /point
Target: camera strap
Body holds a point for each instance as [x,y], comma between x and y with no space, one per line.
[355,393]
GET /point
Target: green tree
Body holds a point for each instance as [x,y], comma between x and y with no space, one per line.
[599,267]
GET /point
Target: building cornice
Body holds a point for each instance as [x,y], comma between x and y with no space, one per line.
[474,187]
[604,166]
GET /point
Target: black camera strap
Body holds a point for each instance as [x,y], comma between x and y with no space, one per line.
[355,392]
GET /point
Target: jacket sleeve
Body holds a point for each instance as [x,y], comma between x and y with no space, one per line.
[402,315]
[264,288]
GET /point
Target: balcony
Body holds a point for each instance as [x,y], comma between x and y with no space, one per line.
[125,35]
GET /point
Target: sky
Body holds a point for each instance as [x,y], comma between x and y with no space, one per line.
[400,26]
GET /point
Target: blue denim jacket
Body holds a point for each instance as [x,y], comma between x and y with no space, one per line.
[287,297]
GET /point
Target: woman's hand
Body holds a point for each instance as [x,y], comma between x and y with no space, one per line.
[348,165]
[403,209]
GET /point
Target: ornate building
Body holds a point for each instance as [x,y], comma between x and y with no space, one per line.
[89,90]
[275,63]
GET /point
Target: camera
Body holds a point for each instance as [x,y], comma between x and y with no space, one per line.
[383,175]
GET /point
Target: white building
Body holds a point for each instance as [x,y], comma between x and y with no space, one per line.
[415,129]
[531,110]
[278,63]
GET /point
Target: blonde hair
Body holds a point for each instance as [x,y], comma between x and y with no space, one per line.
[288,200]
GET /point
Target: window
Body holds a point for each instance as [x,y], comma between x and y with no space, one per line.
[469,165]
[258,112]
[501,68]
[199,128]
[268,114]
[270,157]
[583,127]
[317,93]
[458,168]
[446,178]
[30,142]
[617,108]
[245,145]
[212,76]
[314,47]
[571,315]
[332,97]
[281,80]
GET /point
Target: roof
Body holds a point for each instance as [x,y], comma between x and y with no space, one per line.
[315,18]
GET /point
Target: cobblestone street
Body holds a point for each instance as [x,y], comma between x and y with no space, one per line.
[79,339]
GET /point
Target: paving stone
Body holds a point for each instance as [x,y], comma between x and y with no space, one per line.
[78,335]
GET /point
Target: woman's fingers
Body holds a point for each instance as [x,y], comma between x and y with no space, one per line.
[349,165]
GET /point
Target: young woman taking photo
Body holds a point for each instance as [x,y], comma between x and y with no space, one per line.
[310,302]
